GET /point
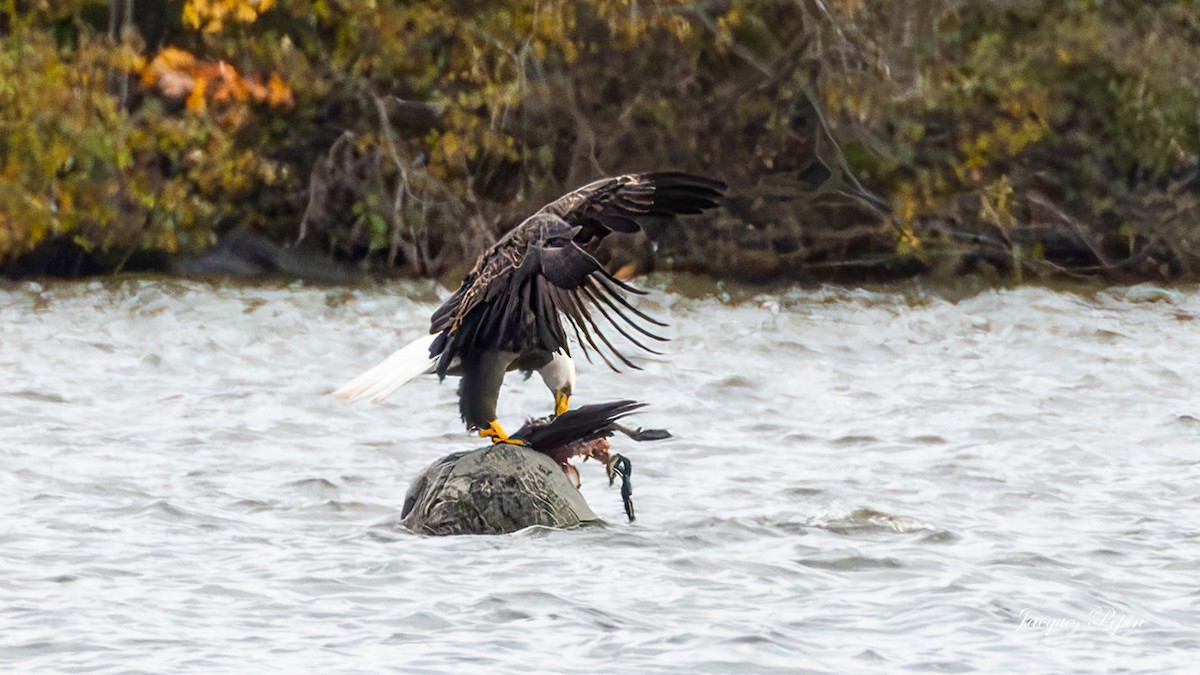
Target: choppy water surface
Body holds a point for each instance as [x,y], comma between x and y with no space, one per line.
[859,482]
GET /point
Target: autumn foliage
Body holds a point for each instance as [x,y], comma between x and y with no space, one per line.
[861,138]
[176,74]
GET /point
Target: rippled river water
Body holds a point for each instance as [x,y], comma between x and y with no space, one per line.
[858,482]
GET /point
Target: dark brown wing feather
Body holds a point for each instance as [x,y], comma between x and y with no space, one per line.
[589,421]
[514,297]
[615,204]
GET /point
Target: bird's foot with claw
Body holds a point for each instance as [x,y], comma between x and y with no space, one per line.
[619,465]
[496,432]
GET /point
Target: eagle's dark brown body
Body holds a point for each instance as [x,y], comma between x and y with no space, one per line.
[507,310]
[507,314]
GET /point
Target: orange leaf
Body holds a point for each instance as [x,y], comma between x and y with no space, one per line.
[227,83]
[278,93]
[255,89]
[195,100]
[171,71]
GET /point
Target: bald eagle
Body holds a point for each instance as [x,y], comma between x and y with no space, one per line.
[507,314]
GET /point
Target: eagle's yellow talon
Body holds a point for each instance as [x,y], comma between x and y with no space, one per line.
[496,432]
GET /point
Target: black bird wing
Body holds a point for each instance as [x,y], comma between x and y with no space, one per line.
[615,204]
[597,419]
[514,297]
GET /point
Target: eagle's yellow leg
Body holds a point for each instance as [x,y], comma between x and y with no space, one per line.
[496,432]
[561,402]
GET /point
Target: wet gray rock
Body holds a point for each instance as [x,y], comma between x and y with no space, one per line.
[498,489]
[242,253]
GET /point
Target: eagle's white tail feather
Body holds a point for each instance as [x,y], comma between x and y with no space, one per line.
[404,365]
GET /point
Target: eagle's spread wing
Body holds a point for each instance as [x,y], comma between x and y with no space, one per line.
[615,204]
[513,298]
